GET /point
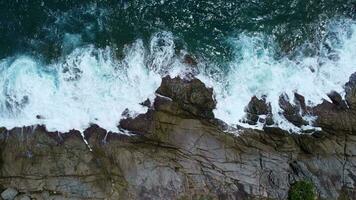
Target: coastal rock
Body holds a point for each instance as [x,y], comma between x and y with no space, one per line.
[350,89]
[146,103]
[139,124]
[293,113]
[299,101]
[338,116]
[337,100]
[191,95]
[190,60]
[257,107]
[182,154]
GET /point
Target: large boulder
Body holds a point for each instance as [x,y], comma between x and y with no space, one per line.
[176,96]
[191,95]
[256,108]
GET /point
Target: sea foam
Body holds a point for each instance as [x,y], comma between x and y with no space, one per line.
[87,86]
[257,71]
[93,86]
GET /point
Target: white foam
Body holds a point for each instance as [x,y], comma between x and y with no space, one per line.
[88,86]
[256,71]
[92,86]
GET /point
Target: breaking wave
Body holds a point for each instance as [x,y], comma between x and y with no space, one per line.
[257,70]
[88,86]
[95,86]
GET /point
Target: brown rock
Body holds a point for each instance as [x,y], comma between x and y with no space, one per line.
[184,156]
[191,95]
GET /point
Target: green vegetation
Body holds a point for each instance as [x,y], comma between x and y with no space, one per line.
[302,190]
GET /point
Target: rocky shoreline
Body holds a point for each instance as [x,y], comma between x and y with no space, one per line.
[180,151]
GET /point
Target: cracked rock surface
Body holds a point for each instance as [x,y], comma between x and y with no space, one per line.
[179,151]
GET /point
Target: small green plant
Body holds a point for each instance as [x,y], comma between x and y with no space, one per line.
[302,190]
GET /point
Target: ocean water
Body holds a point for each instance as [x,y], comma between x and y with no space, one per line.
[69,64]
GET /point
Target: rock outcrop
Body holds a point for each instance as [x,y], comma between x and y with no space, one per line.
[257,108]
[191,96]
[293,113]
[179,151]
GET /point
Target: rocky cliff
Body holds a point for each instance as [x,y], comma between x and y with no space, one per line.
[179,151]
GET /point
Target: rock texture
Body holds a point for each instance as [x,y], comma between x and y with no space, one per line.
[179,151]
[9,194]
[256,108]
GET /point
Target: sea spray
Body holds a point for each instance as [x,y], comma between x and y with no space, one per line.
[88,86]
[257,71]
[91,85]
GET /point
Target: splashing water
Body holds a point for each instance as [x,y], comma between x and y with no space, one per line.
[88,86]
[256,71]
[91,85]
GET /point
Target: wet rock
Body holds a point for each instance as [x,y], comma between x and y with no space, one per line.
[299,100]
[178,97]
[350,89]
[291,112]
[189,60]
[139,125]
[337,100]
[257,107]
[191,95]
[191,66]
[146,103]
[183,155]
[165,104]
[332,119]
[337,117]
[95,130]
[9,194]
[126,113]
[335,97]
[39,117]
[136,124]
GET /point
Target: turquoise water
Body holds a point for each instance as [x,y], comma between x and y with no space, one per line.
[66,64]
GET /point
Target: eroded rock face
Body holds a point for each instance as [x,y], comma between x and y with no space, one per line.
[256,108]
[182,153]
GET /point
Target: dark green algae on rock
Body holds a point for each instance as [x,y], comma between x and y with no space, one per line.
[179,151]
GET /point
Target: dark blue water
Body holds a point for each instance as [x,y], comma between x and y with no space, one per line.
[38,27]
